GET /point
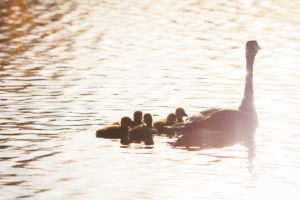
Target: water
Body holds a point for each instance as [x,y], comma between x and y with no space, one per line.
[68,68]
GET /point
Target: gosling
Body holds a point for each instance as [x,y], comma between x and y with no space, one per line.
[115,131]
[180,113]
[160,125]
[137,119]
[171,120]
[142,133]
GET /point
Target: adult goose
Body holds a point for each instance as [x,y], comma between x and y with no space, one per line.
[216,127]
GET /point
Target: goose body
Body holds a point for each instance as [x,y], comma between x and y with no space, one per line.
[142,133]
[217,127]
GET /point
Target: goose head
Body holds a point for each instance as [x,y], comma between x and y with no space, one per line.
[252,47]
[137,116]
[148,119]
[180,112]
[126,122]
[171,119]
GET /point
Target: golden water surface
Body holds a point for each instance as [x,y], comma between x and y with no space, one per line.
[68,67]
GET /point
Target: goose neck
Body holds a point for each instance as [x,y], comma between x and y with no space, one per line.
[250,56]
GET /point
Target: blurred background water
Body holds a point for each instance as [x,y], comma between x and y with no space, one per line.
[68,67]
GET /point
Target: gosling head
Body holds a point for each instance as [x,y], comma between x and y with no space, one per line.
[252,46]
[171,119]
[148,119]
[138,116]
[179,114]
[126,122]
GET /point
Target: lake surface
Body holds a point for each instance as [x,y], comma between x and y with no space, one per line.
[69,67]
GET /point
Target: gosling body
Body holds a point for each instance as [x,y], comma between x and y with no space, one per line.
[115,131]
[170,120]
[142,133]
[160,125]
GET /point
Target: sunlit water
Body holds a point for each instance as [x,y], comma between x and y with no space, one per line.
[69,67]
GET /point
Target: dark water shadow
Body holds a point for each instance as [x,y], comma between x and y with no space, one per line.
[14,183]
[24,163]
[201,142]
[137,147]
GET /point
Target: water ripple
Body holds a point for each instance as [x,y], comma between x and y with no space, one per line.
[68,68]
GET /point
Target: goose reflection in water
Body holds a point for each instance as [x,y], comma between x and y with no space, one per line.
[216,127]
